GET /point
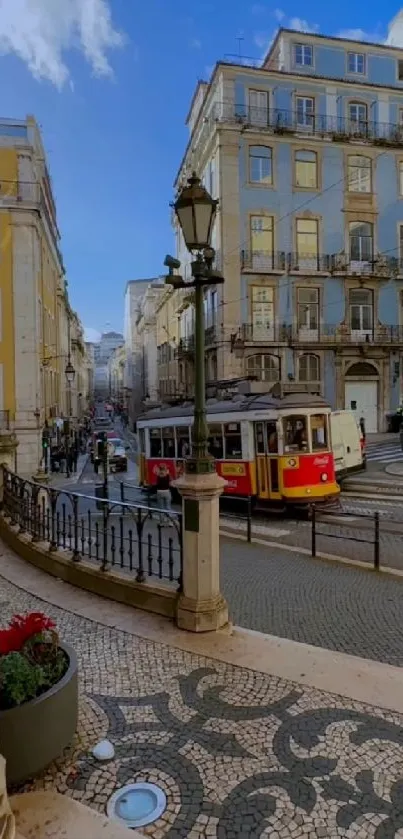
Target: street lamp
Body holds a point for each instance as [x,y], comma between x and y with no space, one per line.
[70,372]
[196,210]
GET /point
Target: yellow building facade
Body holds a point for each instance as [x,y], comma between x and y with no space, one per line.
[35,315]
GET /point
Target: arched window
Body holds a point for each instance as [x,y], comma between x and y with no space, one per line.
[359,173]
[266,368]
[306,169]
[309,368]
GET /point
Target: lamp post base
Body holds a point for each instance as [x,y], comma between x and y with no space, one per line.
[202,615]
[201,606]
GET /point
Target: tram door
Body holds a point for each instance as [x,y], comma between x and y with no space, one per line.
[266,443]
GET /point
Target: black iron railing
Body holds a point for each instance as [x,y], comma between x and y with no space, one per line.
[281,121]
[380,265]
[136,539]
[277,333]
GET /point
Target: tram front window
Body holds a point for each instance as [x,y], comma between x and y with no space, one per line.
[295,434]
[319,432]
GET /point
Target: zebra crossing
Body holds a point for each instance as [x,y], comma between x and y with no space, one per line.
[384,452]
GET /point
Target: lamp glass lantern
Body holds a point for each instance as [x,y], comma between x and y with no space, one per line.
[195,210]
[70,373]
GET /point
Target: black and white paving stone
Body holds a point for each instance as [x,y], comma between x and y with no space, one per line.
[239,754]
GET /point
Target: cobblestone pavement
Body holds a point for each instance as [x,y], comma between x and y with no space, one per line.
[347,537]
[313,601]
[239,754]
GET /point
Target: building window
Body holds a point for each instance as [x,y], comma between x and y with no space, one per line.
[359,173]
[262,313]
[260,165]
[308,311]
[303,54]
[358,115]
[356,62]
[361,310]
[307,243]
[305,111]
[266,368]
[400,70]
[258,107]
[306,169]
[261,240]
[309,368]
[361,241]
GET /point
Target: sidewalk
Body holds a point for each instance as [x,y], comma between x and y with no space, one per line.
[246,734]
[57,479]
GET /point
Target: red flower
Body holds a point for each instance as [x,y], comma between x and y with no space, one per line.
[21,628]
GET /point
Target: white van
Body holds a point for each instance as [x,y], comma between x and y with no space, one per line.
[347,443]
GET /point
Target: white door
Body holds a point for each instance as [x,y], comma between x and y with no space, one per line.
[362,399]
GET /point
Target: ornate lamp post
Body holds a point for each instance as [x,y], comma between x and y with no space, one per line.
[196,211]
[201,606]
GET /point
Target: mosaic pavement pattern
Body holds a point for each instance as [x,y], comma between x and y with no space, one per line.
[240,755]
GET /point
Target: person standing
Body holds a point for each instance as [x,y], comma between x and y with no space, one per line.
[164,492]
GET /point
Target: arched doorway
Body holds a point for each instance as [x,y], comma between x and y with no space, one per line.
[361,393]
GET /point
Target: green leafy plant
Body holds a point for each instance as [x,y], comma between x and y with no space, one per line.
[31,660]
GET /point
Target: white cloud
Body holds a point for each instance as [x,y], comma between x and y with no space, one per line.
[279,14]
[360,35]
[302,25]
[40,32]
[262,40]
[195,44]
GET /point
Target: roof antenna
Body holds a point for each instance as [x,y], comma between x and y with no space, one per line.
[240,39]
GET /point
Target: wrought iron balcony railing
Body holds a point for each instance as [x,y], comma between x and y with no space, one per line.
[328,334]
[343,334]
[264,260]
[382,265]
[270,333]
[282,121]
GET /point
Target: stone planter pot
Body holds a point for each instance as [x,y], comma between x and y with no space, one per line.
[35,733]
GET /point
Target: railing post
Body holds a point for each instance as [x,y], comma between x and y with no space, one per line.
[104,535]
[313,531]
[76,552]
[376,542]
[249,519]
[122,496]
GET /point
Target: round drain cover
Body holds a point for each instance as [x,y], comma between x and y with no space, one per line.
[137,805]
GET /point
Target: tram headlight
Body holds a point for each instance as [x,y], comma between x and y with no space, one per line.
[323,476]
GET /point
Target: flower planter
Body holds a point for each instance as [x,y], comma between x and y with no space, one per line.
[36,732]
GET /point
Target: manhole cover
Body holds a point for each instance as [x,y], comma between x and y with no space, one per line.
[137,805]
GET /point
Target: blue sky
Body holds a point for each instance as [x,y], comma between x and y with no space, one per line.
[110,82]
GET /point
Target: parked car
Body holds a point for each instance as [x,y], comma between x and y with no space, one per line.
[117,456]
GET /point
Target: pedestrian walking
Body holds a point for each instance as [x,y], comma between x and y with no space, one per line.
[164,493]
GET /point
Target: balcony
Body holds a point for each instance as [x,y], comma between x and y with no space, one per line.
[381,265]
[250,333]
[326,335]
[265,262]
[335,336]
[185,348]
[282,122]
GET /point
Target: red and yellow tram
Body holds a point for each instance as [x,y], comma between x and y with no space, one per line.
[274,450]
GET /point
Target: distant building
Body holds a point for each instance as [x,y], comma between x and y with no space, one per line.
[139,352]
